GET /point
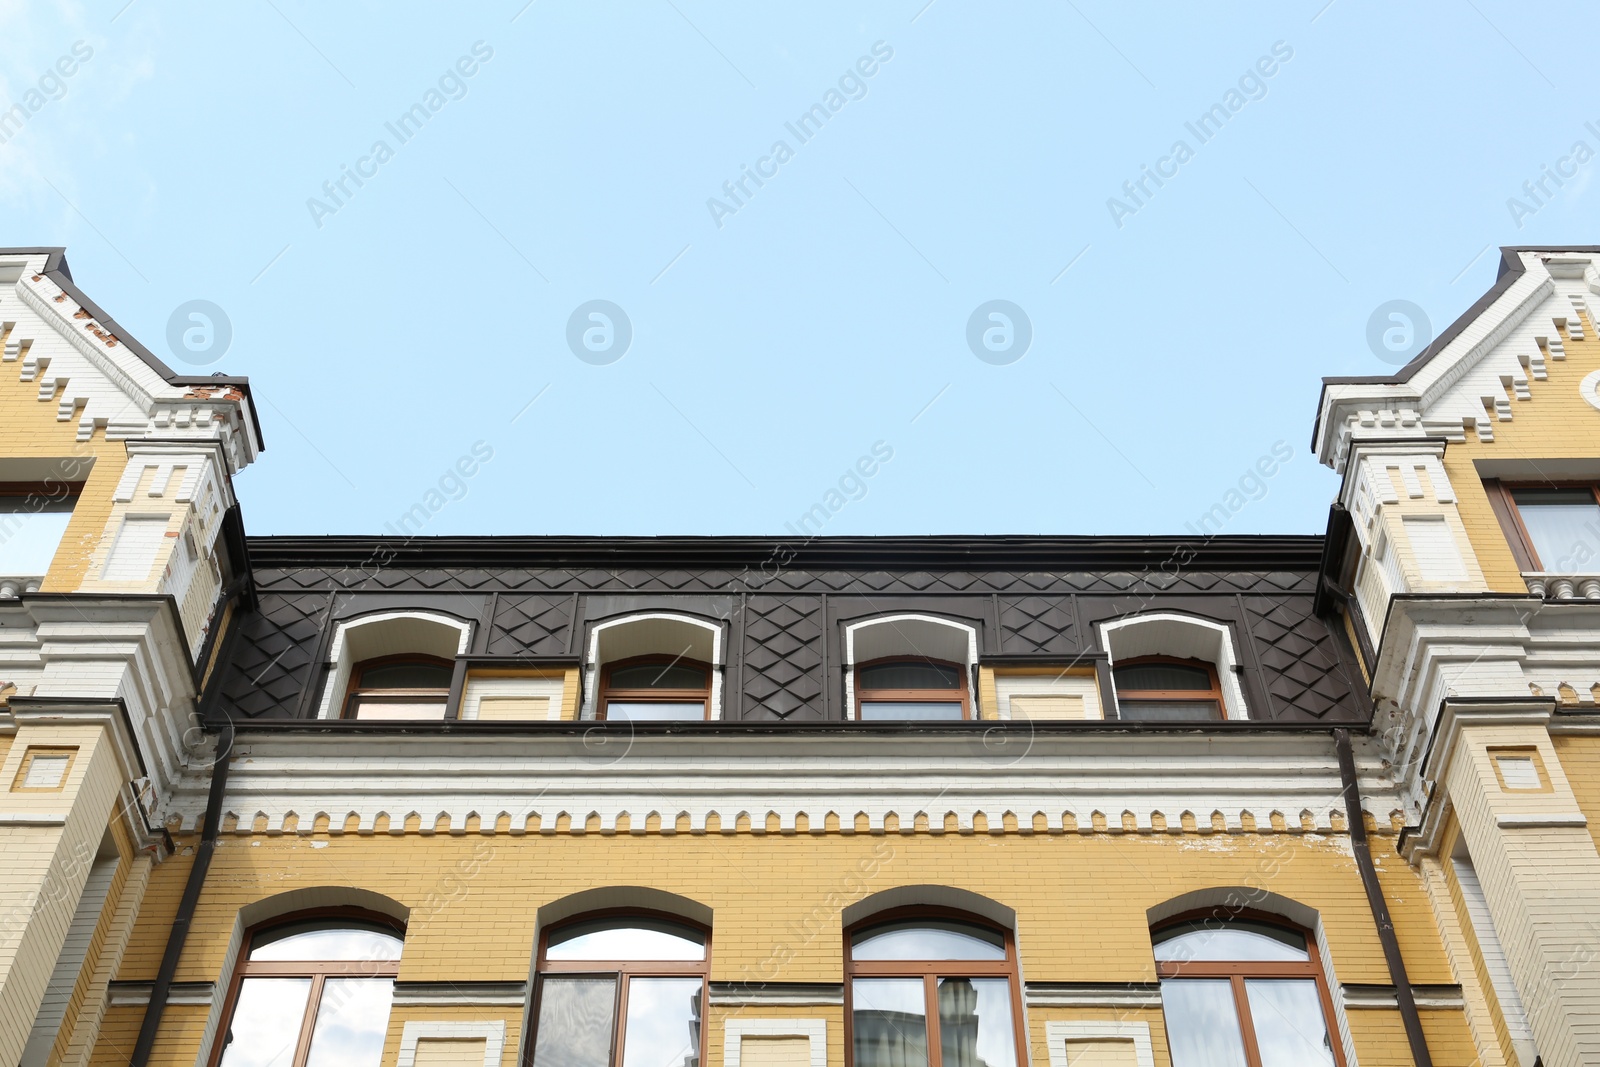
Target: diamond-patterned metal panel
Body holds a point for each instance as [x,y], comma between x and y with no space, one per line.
[782,658]
[272,653]
[1300,661]
[878,582]
[530,626]
[1038,624]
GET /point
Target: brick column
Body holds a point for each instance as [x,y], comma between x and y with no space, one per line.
[58,784]
[1539,869]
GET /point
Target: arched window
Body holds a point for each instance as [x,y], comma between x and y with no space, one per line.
[1167,688]
[399,687]
[1244,992]
[656,689]
[313,991]
[622,991]
[909,687]
[932,989]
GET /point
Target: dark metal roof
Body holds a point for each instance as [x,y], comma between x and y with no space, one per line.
[784,606]
[56,269]
[1267,552]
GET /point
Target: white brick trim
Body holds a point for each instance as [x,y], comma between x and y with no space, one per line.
[736,1030]
[493,1033]
[1057,1034]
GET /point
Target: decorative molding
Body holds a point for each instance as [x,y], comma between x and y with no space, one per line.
[1057,1033]
[460,994]
[1541,821]
[1587,389]
[1118,996]
[667,783]
[493,1035]
[129,994]
[777,994]
[1428,998]
[735,1030]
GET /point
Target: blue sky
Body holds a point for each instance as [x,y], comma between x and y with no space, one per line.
[776,339]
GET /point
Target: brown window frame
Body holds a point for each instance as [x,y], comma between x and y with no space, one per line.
[624,971]
[355,689]
[319,971]
[930,971]
[919,696]
[1518,531]
[1238,971]
[1176,696]
[654,696]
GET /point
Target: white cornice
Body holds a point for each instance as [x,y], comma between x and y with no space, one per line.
[1075,781]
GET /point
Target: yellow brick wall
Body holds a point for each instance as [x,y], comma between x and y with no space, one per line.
[1580,760]
[1556,424]
[29,430]
[1081,903]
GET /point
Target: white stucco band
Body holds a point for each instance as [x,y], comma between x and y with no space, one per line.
[1182,636]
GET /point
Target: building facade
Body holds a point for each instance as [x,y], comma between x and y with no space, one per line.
[827,802]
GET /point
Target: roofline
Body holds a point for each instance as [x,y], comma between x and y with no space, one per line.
[56,269]
[771,555]
[1511,269]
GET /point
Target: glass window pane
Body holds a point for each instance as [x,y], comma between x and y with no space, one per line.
[1291,1030]
[909,675]
[1163,676]
[1168,710]
[664,1019]
[406,676]
[889,1022]
[31,527]
[650,711]
[882,710]
[928,941]
[326,940]
[266,1022]
[352,1020]
[659,676]
[633,942]
[975,1022]
[576,1019]
[1565,527]
[1238,939]
[1202,1023]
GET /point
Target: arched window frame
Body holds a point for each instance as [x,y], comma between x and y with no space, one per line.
[1237,972]
[956,635]
[931,971]
[316,970]
[595,664]
[608,692]
[625,970]
[962,693]
[1215,692]
[356,690]
[446,634]
[1182,637]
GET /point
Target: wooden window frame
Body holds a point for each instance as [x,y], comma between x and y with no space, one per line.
[1175,696]
[355,689]
[319,971]
[930,971]
[1512,517]
[1237,971]
[654,696]
[918,696]
[623,971]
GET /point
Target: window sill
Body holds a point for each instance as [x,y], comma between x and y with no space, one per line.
[1563,586]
